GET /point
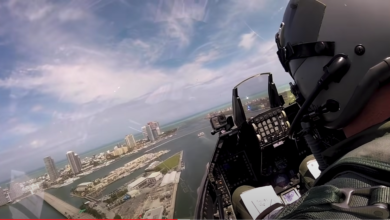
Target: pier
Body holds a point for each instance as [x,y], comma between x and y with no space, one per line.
[64,208]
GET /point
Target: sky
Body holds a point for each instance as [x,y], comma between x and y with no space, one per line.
[77,74]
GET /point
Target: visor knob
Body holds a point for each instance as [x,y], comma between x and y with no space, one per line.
[360,50]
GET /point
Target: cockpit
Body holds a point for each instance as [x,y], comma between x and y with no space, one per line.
[253,148]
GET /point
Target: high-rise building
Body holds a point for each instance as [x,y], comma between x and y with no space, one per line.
[130,141]
[73,162]
[15,191]
[51,168]
[144,132]
[155,126]
[79,165]
[3,198]
[155,134]
[150,133]
[158,130]
[119,151]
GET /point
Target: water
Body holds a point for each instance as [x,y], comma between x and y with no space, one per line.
[196,153]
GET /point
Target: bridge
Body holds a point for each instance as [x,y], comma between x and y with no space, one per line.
[64,208]
[92,199]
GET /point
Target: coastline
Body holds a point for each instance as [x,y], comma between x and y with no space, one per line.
[174,195]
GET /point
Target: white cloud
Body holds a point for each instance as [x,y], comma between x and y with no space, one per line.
[23,129]
[97,76]
[37,143]
[36,108]
[247,40]
[30,11]
[71,15]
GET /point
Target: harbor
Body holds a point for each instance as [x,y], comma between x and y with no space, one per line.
[195,156]
[154,194]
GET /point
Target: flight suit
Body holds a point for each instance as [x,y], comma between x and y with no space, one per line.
[372,144]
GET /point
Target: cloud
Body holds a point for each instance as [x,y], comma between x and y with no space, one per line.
[92,72]
[247,40]
[36,108]
[37,143]
[23,129]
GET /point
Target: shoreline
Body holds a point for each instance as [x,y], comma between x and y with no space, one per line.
[123,176]
[174,195]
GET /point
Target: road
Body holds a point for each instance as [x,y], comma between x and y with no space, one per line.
[63,207]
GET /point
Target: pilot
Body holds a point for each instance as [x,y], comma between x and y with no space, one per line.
[315,36]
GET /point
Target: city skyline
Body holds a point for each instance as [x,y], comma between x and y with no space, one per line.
[91,74]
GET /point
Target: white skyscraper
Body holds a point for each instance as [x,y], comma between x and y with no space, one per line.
[130,141]
[155,134]
[3,198]
[158,130]
[155,126]
[51,168]
[150,133]
[73,162]
[79,166]
[144,132]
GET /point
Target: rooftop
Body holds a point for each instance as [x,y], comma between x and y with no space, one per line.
[137,181]
[154,174]
[85,184]
[154,213]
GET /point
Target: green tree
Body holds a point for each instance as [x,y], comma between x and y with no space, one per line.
[117,216]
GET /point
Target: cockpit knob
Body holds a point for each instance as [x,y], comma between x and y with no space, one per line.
[258,137]
[254,126]
[284,114]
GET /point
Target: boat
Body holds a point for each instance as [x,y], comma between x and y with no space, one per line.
[69,181]
[201,134]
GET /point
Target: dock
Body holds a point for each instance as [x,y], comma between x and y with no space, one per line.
[64,208]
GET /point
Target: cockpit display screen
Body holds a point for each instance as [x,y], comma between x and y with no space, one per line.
[290,197]
[236,170]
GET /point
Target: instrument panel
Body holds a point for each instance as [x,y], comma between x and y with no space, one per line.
[236,170]
[237,161]
[271,126]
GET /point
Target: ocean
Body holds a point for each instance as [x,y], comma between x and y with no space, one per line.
[196,153]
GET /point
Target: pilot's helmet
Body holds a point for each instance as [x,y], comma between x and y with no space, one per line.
[316,33]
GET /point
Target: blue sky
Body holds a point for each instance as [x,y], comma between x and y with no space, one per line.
[77,74]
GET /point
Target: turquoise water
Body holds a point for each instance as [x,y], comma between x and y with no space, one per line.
[196,153]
